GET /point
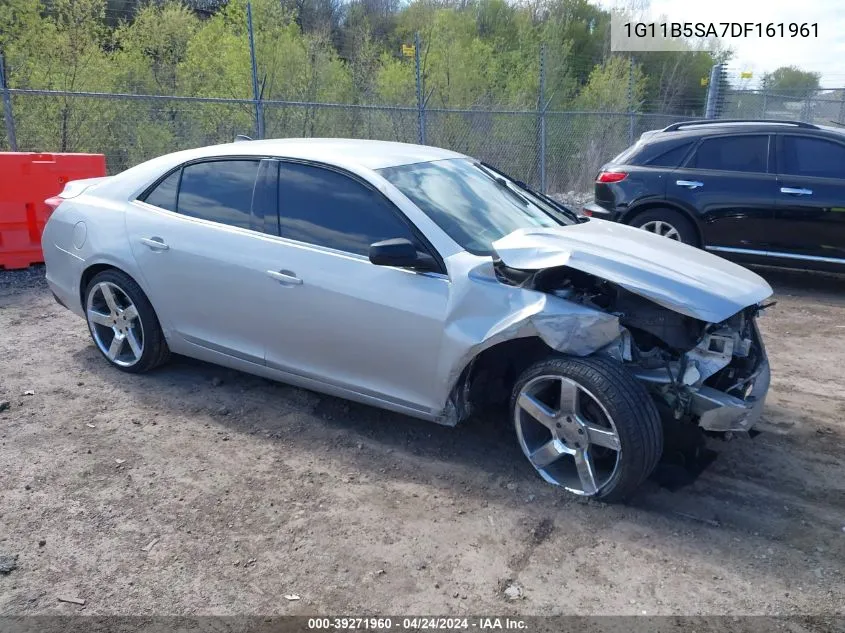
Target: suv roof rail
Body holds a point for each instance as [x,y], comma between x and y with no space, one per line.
[682,124]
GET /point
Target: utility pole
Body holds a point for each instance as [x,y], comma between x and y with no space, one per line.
[630,100]
[256,95]
[419,78]
[541,114]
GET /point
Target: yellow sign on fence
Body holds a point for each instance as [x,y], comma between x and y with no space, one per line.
[408,50]
[746,74]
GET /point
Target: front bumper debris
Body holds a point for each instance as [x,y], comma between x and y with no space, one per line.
[720,412]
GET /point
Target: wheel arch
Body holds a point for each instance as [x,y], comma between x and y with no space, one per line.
[488,377]
[629,216]
[96,268]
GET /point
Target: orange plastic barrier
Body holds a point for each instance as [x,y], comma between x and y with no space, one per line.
[26,180]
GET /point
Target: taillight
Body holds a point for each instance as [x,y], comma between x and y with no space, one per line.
[611,176]
[54,202]
[586,212]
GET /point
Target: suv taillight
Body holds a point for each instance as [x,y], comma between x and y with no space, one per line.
[611,176]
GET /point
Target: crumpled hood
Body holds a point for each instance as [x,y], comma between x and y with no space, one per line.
[676,276]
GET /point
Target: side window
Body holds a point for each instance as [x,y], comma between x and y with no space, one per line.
[802,156]
[220,191]
[733,153]
[323,207]
[164,195]
[670,158]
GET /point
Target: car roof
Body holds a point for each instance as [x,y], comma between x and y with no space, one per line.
[695,129]
[355,155]
[340,151]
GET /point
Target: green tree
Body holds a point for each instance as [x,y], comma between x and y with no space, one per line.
[792,81]
[20,25]
[62,50]
[153,46]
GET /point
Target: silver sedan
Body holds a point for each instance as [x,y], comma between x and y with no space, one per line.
[421,281]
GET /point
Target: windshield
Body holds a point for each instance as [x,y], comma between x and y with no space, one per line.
[472,204]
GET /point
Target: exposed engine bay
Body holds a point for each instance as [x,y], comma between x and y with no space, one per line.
[714,375]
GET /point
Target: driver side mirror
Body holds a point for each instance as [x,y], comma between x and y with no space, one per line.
[402,253]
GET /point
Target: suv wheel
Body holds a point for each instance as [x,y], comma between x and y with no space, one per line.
[667,223]
[587,425]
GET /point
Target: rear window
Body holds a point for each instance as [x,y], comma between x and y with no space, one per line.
[164,195]
[671,157]
[733,153]
[625,157]
[660,154]
[220,191]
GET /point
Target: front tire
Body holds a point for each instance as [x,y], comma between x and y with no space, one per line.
[588,425]
[123,324]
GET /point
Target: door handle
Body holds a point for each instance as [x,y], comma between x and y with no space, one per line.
[285,276]
[689,184]
[795,191]
[155,243]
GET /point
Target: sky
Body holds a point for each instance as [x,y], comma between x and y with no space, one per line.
[824,54]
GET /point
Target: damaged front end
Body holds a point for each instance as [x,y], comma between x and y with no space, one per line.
[713,375]
[720,383]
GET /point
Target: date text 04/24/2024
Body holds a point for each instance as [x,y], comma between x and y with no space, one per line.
[417,623]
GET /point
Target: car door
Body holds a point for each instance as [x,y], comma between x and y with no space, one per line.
[197,238]
[726,184]
[810,217]
[338,318]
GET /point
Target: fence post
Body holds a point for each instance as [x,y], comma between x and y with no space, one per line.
[419,78]
[256,95]
[541,113]
[7,107]
[715,94]
[805,109]
[631,100]
[842,106]
[765,97]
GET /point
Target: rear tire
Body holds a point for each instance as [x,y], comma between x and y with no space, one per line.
[123,324]
[667,223]
[588,425]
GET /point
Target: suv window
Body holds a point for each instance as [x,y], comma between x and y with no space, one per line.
[220,191]
[803,156]
[732,153]
[324,207]
[164,195]
[670,158]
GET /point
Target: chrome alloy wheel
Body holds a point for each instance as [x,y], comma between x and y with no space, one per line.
[567,434]
[662,228]
[115,326]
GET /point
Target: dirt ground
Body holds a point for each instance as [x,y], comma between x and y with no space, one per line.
[197,490]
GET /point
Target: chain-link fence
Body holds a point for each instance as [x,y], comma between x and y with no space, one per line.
[558,151]
[129,129]
[822,107]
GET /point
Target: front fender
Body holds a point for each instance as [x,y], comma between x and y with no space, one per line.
[475,323]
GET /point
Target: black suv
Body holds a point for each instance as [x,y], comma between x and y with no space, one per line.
[759,192]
